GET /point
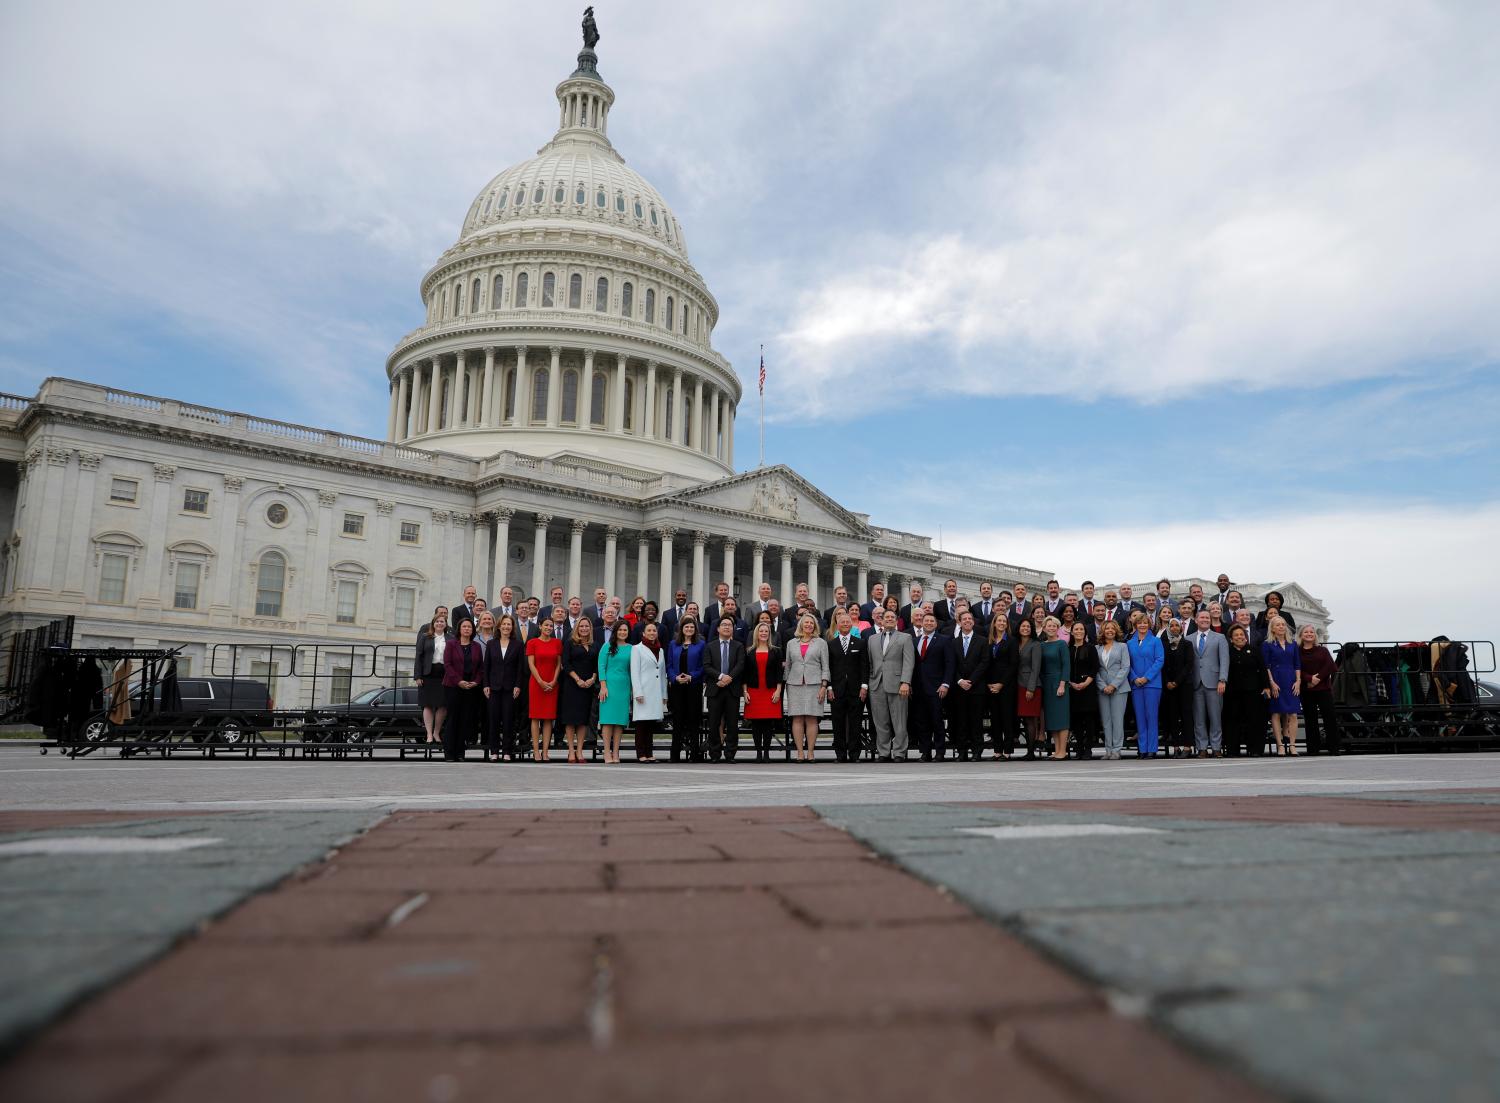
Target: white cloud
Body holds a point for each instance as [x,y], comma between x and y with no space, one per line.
[1410,572]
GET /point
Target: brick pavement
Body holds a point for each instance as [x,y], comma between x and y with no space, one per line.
[622,955]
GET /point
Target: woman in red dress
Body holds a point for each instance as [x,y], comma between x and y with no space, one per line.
[762,688]
[543,659]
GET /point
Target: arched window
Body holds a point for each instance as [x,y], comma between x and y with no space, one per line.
[270,584]
[557,193]
[599,199]
[668,227]
[444,421]
[579,196]
[539,395]
[667,317]
[520,195]
[522,280]
[651,305]
[446,304]
[601,294]
[570,396]
[596,399]
[653,214]
[575,291]
[474,293]
[500,201]
[684,319]
[620,202]
[458,297]
[485,210]
[539,193]
[497,293]
[549,286]
[630,404]
[637,208]
[627,300]
[667,421]
[510,394]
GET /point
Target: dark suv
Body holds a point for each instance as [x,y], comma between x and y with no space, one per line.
[228,710]
[384,710]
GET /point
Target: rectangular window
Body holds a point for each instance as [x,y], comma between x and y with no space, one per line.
[340,685]
[112,579]
[406,607]
[348,601]
[265,672]
[123,491]
[195,501]
[184,666]
[354,524]
[185,591]
[411,532]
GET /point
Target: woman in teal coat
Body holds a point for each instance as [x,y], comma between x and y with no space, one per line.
[614,689]
[1055,674]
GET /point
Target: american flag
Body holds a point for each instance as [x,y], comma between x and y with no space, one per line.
[762,372]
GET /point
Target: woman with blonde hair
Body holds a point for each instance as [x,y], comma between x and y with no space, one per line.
[805,677]
[1283,661]
[762,688]
[580,685]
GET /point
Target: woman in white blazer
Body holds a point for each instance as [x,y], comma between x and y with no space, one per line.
[648,690]
[804,680]
[1114,686]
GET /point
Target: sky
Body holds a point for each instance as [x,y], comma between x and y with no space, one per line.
[1110,290]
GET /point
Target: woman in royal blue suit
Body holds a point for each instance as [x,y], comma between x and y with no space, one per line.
[1146,659]
[685,689]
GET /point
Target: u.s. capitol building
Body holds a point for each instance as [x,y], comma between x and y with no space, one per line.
[560,418]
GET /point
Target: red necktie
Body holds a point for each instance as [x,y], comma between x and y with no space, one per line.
[924,647]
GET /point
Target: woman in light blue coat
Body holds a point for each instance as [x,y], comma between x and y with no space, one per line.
[1114,687]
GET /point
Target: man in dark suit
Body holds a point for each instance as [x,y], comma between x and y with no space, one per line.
[931,681]
[984,609]
[1128,604]
[971,656]
[945,608]
[723,674]
[595,612]
[507,604]
[1086,606]
[1020,608]
[731,610]
[715,608]
[910,608]
[463,610]
[877,599]
[847,657]
[762,601]
[1054,602]
[673,616]
[840,601]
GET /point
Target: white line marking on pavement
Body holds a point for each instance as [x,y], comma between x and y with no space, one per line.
[1058,831]
[104,844]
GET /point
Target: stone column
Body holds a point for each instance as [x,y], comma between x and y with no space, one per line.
[316,595]
[539,556]
[713,428]
[435,395]
[459,408]
[728,573]
[379,614]
[700,569]
[522,415]
[398,425]
[757,568]
[502,551]
[414,401]
[648,422]
[611,550]
[813,558]
[554,389]
[162,491]
[729,435]
[481,570]
[665,534]
[679,402]
[487,398]
[575,557]
[864,582]
[586,392]
[390,422]
[227,565]
[74,554]
[786,576]
[698,434]
[838,571]
[642,569]
[617,406]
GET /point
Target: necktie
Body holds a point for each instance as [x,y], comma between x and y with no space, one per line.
[924,647]
[846,644]
[986,608]
[966,646]
[723,657]
[1201,637]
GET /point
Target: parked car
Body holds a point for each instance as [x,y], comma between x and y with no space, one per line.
[226,709]
[383,710]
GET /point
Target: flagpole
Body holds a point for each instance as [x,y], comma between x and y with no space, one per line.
[762,405]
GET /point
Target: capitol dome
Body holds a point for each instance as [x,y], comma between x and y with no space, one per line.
[567,319]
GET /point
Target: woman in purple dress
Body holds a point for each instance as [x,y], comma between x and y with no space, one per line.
[1284,666]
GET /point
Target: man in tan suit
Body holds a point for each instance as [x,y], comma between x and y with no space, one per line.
[892,659]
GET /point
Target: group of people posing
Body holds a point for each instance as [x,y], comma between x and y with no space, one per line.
[1202,675]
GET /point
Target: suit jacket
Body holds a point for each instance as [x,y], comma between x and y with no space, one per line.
[1017,614]
[503,673]
[1213,660]
[713,611]
[526,631]
[971,666]
[982,619]
[775,669]
[935,669]
[1054,608]
[459,612]
[944,614]
[1028,665]
[892,660]
[846,672]
[1180,663]
[671,619]
[867,610]
[1114,668]
[806,670]
[712,668]
[905,614]
[1001,669]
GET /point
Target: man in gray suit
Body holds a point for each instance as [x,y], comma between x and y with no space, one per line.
[1212,652]
[892,659]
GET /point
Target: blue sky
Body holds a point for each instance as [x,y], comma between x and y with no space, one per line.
[1113,291]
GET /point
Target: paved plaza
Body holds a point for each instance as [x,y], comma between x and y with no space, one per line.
[1224,929]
